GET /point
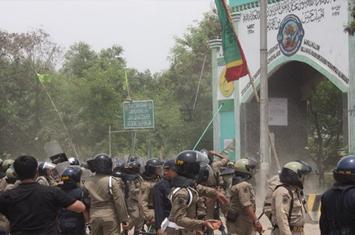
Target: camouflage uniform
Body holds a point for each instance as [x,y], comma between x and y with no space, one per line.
[107,211]
[242,195]
[134,202]
[184,209]
[214,180]
[287,222]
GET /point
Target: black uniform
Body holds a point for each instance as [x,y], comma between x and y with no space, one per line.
[162,204]
[32,208]
[337,211]
[72,223]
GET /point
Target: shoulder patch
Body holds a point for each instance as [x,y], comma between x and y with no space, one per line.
[180,201]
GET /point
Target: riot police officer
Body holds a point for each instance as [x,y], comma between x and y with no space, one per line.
[71,223]
[184,197]
[130,175]
[287,208]
[240,216]
[107,204]
[338,203]
[44,175]
[151,175]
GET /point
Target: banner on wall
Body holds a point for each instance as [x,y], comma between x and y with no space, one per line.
[310,31]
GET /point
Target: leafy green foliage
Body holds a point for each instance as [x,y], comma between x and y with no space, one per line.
[351,27]
[89,90]
[326,140]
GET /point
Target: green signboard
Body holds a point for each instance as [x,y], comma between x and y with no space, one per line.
[138,114]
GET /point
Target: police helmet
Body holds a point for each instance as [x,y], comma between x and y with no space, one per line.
[6,164]
[134,165]
[103,164]
[204,173]
[119,164]
[169,164]
[73,161]
[71,175]
[44,166]
[11,174]
[91,165]
[345,170]
[292,173]
[151,167]
[230,164]
[245,167]
[188,163]
[210,156]
[41,170]
[132,158]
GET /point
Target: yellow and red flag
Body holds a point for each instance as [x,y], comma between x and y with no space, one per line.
[233,54]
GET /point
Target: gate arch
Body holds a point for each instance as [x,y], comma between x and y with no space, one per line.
[278,63]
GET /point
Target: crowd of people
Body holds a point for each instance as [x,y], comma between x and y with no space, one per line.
[198,192]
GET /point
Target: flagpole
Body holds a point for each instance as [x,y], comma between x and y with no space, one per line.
[209,124]
[127,86]
[60,118]
[254,87]
[264,100]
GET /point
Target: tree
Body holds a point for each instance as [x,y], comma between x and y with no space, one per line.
[325,140]
[187,58]
[89,91]
[22,103]
[351,27]
[78,59]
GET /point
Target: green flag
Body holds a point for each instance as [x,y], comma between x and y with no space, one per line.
[233,54]
[43,77]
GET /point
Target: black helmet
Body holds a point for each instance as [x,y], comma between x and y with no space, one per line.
[203,174]
[210,156]
[103,164]
[73,161]
[133,165]
[71,175]
[91,165]
[151,167]
[292,173]
[43,168]
[345,171]
[119,164]
[188,163]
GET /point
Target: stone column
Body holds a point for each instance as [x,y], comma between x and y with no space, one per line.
[351,96]
[237,122]
[215,46]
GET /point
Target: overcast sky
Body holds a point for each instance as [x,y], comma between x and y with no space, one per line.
[144,28]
